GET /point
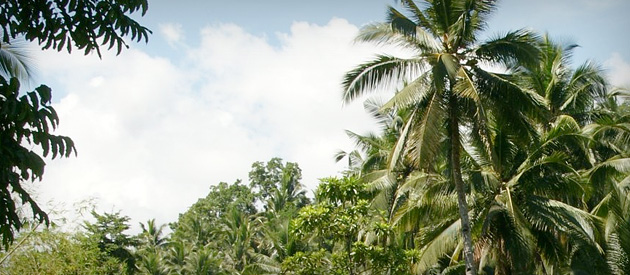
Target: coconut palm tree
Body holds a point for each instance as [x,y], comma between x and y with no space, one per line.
[370,160]
[151,264]
[241,240]
[614,210]
[574,92]
[609,178]
[176,256]
[530,218]
[537,206]
[374,149]
[152,236]
[447,87]
[289,194]
[203,261]
[150,251]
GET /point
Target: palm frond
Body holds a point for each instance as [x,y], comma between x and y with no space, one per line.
[513,49]
[419,181]
[551,215]
[15,60]
[437,242]
[618,252]
[425,207]
[465,87]
[379,180]
[586,86]
[396,154]
[442,16]
[502,90]
[373,107]
[262,265]
[400,23]
[555,162]
[564,125]
[418,15]
[364,142]
[382,72]
[471,19]
[507,236]
[450,63]
[386,34]
[456,269]
[565,136]
[601,173]
[418,90]
[428,132]
[339,155]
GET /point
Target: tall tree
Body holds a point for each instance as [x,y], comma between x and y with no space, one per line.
[574,92]
[108,231]
[200,223]
[609,178]
[446,85]
[336,219]
[151,236]
[277,184]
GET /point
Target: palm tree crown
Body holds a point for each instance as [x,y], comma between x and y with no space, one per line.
[449,91]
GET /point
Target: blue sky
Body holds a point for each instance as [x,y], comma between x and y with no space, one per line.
[600,27]
[222,84]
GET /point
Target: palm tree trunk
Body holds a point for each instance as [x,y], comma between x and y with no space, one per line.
[459,186]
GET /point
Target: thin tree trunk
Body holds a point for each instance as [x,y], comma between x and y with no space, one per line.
[13,249]
[349,253]
[459,186]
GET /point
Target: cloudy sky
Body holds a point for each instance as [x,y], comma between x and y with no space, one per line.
[222,84]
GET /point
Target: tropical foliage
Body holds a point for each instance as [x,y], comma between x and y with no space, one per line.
[519,169]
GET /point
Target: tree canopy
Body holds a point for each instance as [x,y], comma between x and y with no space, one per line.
[63,24]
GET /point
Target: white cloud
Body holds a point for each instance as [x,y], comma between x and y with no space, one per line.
[173,33]
[618,70]
[152,136]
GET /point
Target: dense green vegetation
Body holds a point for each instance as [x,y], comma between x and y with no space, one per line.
[521,171]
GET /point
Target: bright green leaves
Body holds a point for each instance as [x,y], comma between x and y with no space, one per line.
[25,121]
[328,221]
[339,191]
[334,225]
[342,202]
[307,263]
[384,259]
[84,24]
